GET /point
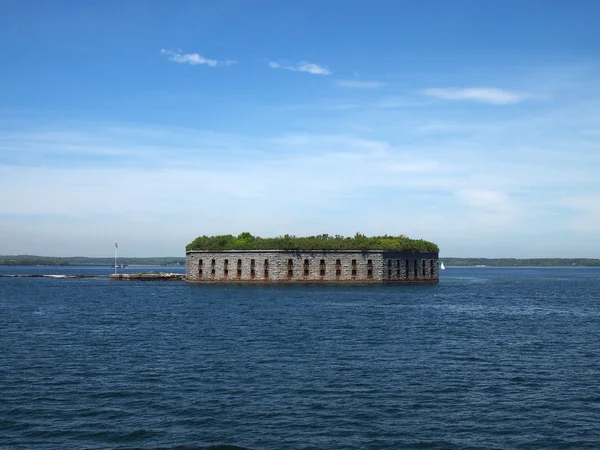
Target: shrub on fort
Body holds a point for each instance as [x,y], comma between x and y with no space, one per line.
[246,241]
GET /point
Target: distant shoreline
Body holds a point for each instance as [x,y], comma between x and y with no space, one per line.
[33,260]
[565,266]
[520,262]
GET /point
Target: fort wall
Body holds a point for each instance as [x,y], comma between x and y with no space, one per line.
[322,266]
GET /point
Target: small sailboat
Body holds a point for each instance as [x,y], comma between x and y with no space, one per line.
[442,266]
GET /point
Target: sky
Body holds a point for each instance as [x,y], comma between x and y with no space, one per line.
[472,124]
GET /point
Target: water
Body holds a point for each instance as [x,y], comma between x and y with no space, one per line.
[489,358]
[85,270]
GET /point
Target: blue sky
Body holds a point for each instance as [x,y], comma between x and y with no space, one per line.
[474,124]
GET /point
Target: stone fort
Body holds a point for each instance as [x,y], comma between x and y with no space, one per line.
[311,266]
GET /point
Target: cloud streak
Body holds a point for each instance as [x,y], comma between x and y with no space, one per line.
[489,95]
[302,66]
[194,59]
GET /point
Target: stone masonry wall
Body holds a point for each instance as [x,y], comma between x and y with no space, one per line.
[279,266]
[410,267]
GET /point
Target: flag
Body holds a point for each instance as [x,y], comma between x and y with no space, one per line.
[116,245]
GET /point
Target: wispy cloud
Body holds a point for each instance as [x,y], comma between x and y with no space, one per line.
[302,66]
[435,182]
[312,68]
[491,209]
[194,59]
[484,198]
[359,84]
[493,96]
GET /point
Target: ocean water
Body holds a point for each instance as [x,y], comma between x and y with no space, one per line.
[490,358]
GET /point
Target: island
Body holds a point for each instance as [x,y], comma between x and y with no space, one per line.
[314,259]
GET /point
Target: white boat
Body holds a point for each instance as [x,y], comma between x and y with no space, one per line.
[442,266]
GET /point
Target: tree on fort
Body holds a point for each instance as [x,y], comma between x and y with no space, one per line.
[246,241]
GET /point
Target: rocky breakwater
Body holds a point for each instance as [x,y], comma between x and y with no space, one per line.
[148,276]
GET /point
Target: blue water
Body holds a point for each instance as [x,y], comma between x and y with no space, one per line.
[84,270]
[489,358]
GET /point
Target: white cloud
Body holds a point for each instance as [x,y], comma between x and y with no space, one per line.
[302,66]
[483,198]
[359,84]
[312,68]
[294,180]
[491,210]
[482,95]
[194,59]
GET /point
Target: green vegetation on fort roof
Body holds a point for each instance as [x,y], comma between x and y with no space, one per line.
[246,241]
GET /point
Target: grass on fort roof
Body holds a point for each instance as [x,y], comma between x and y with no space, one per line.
[247,241]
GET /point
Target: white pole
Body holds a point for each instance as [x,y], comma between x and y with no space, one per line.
[116,247]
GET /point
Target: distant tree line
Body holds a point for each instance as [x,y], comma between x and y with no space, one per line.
[517,262]
[27,260]
[246,241]
[30,260]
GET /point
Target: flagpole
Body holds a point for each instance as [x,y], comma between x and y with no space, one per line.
[116,247]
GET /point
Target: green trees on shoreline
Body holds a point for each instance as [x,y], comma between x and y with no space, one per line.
[520,262]
[32,260]
[246,241]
